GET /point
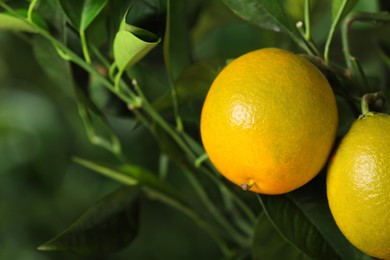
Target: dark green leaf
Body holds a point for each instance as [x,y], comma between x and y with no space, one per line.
[98,128]
[191,85]
[292,224]
[149,15]
[81,13]
[269,244]
[91,9]
[384,55]
[267,14]
[12,23]
[315,207]
[304,220]
[195,81]
[59,69]
[133,175]
[116,11]
[341,8]
[264,13]
[73,10]
[149,76]
[142,34]
[169,147]
[237,37]
[108,226]
[51,11]
[368,6]
[153,187]
[177,49]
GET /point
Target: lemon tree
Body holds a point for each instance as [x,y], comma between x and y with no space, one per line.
[222,129]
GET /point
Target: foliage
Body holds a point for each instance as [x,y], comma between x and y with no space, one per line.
[137,72]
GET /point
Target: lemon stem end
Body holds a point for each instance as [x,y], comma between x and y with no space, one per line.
[248,185]
[375,100]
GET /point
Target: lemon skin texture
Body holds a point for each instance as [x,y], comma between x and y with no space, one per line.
[358,185]
[269,121]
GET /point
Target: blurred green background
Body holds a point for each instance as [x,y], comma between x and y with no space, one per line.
[42,190]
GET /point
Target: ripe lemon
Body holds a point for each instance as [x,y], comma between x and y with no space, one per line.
[358,185]
[269,121]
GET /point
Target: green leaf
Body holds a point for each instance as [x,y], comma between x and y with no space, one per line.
[236,38]
[177,50]
[108,226]
[269,244]
[292,224]
[51,11]
[81,13]
[149,15]
[59,69]
[129,179]
[315,207]
[385,56]
[367,6]
[304,215]
[267,14]
[132,175]
[341,8]
[169,147]
[73,10]
[12,23]
[116,12]
[132,46]
[191,85]
[98,128]
[91,9]
[153,187]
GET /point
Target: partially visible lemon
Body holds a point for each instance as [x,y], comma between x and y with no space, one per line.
[269,121]
[358,185]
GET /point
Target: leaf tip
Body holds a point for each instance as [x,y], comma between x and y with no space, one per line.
[47,247]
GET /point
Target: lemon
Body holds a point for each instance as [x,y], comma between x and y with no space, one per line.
[358,185]
[269,121]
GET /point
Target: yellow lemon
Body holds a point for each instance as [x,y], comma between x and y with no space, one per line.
[358,185]
[269,121]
